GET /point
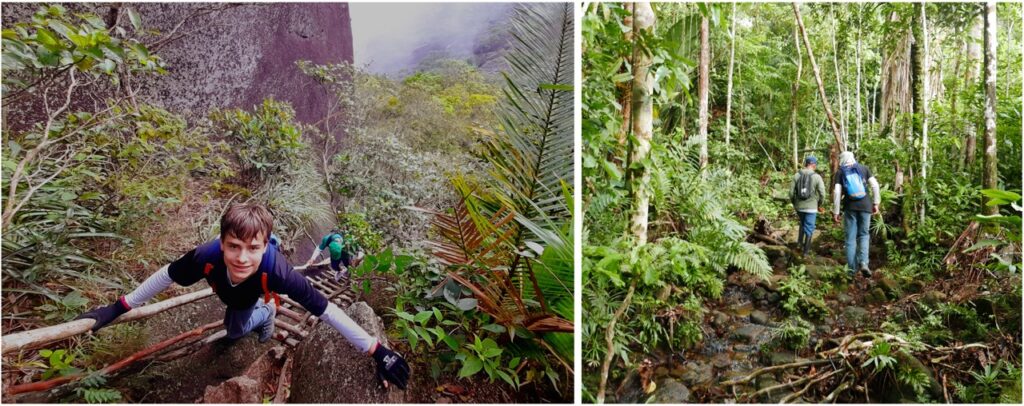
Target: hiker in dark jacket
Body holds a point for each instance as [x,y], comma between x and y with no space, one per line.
[807,194]
[246,275]
[850,188]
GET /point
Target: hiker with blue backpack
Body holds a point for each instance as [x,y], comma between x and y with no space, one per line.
[247,275]
[850,193]
[807,194]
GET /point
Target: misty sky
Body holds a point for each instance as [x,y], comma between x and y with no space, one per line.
[385,34]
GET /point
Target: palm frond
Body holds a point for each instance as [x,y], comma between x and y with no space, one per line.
[535,154]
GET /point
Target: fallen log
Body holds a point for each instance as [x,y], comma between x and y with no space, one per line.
[45,335]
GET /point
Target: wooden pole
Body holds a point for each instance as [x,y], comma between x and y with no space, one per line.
[41,336]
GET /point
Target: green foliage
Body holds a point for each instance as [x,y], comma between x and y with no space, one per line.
[794,333]
[508,240]
[266,141]
[59,363]
[54,41]
[880,357]
[66,309]
[91,389]
[995,383]
[802,295]
[356,224]
[486,355]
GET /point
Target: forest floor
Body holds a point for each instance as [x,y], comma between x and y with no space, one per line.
[741,332]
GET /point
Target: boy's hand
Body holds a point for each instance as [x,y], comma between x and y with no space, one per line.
[874,209]
[106,314]
[835,218]
[821,210]
[391,367]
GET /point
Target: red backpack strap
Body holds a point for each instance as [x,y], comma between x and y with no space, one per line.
[206,273]
[267,294]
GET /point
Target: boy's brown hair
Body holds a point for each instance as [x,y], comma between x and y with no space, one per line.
[246,221]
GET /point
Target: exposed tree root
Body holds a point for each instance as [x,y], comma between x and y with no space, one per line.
[853,350]
[609,335]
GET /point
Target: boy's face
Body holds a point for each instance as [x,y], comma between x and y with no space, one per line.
[243,257]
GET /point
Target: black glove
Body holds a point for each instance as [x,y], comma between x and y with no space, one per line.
[106,314]
[391,366]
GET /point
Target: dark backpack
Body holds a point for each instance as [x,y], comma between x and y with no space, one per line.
[804,187]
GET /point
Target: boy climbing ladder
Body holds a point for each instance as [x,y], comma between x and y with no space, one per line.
[246,275]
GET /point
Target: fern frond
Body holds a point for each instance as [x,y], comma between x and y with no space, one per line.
[749,258]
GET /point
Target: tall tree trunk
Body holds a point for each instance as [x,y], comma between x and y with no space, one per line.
[793,127]
[974,59]
[860,16]
[642,127]
[924,111]
[896,97]
[839,145]
[702,90]
[732,60]
[989,175]
[839,78]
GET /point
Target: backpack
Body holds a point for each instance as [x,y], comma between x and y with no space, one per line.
[853,183]
[804,186]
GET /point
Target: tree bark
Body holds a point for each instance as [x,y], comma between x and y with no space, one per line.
[41,336]
[702,91]
[643,121]
[974,58]
[924,112]
[860,16]
[732,60]
[839,79]
[821,90]
[793,127]
[989,176]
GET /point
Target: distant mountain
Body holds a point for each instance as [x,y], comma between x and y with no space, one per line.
[476,33]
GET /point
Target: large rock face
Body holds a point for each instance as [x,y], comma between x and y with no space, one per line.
[330,370]
[230,55]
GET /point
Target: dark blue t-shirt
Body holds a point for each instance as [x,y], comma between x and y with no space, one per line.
[207,262]
[865,203]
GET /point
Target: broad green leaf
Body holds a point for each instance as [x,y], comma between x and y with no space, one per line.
[135,19]
[470,366]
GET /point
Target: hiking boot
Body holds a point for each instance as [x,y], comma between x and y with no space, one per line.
[267,329]
[864,270]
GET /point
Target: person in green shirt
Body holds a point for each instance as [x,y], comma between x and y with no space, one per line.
[345,252]
[807,193]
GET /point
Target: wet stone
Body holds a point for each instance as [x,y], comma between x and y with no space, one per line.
[933,297]
[671,391]
[719,319]
[749,334]
[843,298]
[876,296]
[698,373]
[889,286]
[855,316]
[721,360]
[774,297]
[744,348]
[759,317]
[782,357]
[759,293]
